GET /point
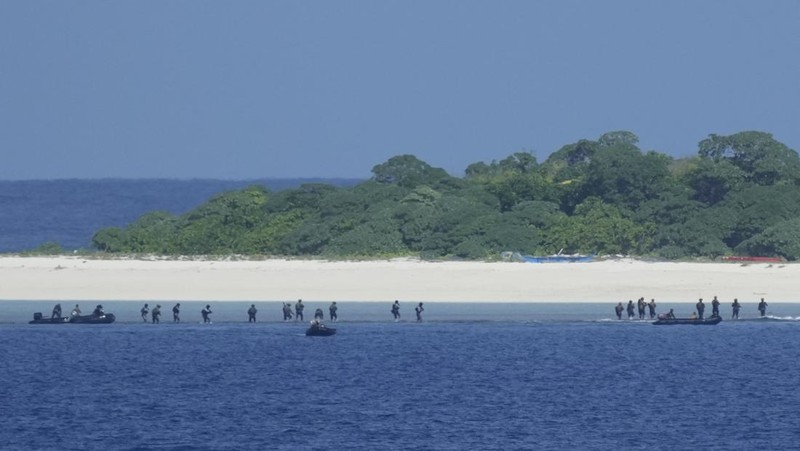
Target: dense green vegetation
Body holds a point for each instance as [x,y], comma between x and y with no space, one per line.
[739,195]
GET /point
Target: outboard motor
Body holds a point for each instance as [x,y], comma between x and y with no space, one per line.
[37,316]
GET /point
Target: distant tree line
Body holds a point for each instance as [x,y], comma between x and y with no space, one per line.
[739,195]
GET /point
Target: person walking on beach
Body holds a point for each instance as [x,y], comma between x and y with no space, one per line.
[144,311]
[652,306]
[762,307]
[700,308]
[76,311]
[205,312]
[332,310]
[418,310]
[156,315]
[251,313]
[298,310]
[176,313]
[619,309]
[396,310]
[735,306]
[715,307]
[630,309]
[287,311]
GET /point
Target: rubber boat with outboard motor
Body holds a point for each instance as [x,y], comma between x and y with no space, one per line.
[319,330]
[104,318]
[710,321]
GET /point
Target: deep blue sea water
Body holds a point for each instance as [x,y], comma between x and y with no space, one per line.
[69,212]
[471,376]
[520,377]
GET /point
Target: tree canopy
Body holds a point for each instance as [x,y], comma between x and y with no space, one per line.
[739,195]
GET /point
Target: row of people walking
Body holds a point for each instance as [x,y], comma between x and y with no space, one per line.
[643,306]
[289,312]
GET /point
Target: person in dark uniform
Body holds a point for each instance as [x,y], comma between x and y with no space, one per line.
[144,311]
[287,311]
[762,307]
[715,307]
[735,307]
[618,310]
[631,309]
[176,313]
[332,310]
[640,306]
[298,310]
[418,310]
[205,312]
[251,313]
[671,314]
[652,306]
[56,311]
[700,308]
[318,315]
[156,315]
[98,311]
[396,310]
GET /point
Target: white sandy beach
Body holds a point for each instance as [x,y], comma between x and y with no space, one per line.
[77,278]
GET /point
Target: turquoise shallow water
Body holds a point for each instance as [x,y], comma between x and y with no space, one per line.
[515,377]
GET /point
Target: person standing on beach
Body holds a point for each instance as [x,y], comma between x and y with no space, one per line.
[630,309]
[144,311]
[332,310]
[251,313]
[396,310]
[156,315]
[619,309]
[418,310]
[176,313]
[205,312]
[298,310]
[762,307]
[715,307]
[652,306]
[640,306]
[287,311]
[700,308]
[735,306]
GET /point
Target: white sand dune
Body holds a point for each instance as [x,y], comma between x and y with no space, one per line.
[77,278]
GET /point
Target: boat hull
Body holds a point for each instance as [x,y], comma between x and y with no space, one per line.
[320,332]
[714,320]
[107,318]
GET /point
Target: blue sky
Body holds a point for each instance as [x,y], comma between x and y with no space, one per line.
[253,89]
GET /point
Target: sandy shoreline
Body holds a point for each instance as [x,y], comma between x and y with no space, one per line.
[76,278]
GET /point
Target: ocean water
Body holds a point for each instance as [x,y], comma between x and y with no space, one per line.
[69,212]
[492,377]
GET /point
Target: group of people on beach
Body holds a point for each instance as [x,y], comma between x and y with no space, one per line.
[319,315]
[642,306]
[154,315]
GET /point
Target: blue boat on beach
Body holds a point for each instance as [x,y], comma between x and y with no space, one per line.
[558,258]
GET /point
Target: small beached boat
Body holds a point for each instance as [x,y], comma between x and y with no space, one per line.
[319,330]
[106,318]
[710,321]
